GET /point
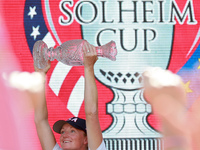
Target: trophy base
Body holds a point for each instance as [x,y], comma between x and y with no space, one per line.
[134,144]
[39,50]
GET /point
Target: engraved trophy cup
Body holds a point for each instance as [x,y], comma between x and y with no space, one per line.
[69,52]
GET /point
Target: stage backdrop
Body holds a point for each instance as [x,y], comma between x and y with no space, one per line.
[162,33]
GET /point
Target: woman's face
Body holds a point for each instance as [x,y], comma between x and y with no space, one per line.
[72,138]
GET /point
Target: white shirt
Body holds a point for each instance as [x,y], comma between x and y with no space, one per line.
[101,147]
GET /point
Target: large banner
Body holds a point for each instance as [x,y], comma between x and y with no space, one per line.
[161,33]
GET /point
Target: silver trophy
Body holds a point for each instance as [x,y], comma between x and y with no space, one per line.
[141,42]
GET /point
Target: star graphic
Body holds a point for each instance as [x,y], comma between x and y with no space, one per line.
[32,12]
[199,65]
[187,88]
[35,32]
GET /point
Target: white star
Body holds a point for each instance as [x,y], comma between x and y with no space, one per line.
[32,12]
[35,32]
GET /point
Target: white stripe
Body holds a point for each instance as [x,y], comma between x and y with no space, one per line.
[76,98]
[58,76]
[194,43]
[48,39]
[50,21]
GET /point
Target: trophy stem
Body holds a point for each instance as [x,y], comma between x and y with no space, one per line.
[129,111]
[52,54]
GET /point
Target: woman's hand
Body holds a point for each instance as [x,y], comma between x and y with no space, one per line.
[89,55]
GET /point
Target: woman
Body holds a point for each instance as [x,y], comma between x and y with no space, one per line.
[76,133]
